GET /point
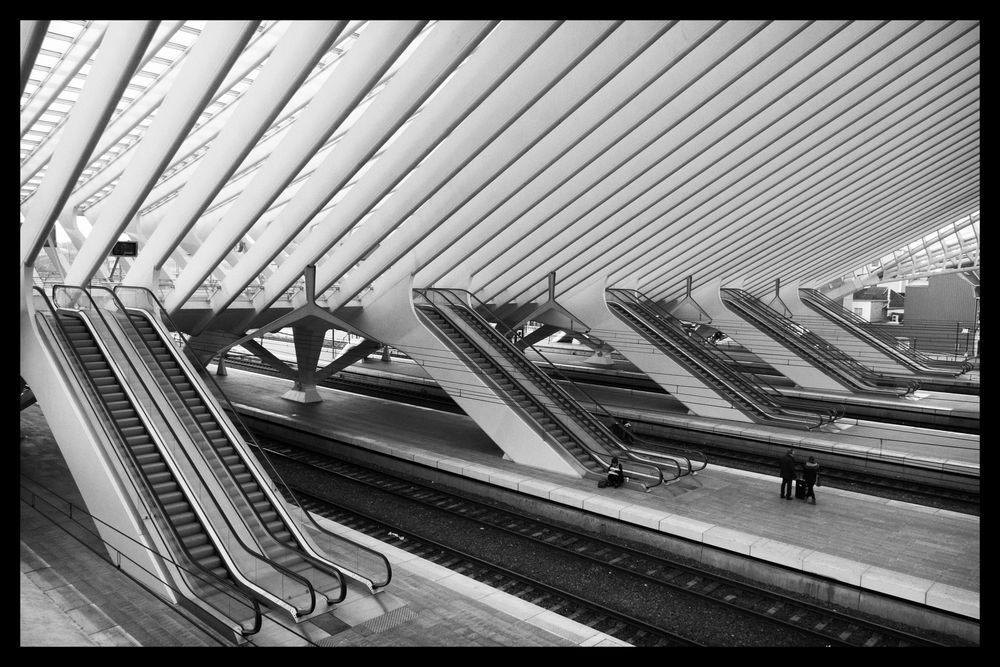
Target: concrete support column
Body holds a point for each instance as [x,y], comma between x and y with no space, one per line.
[838,336]
[782,359]
[392,319]
[348,357]
[308,345]
[588,302]
[125,527]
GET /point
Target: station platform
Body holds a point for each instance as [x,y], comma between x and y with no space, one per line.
[926,448]
[927,556]
[937,406]
[72,596]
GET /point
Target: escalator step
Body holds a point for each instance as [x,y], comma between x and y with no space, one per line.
[172,497]
[192,534]
[155,468]
[176,506]
[160,477]
[148,459]
[165,487]
[213,564]
[186,522]
[132,431]
[202,551]
[129,422]
[137,439]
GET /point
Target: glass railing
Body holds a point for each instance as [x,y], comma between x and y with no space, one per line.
[274,583]
[354,560]
[204,585]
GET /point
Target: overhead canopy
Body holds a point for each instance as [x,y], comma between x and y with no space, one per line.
[488,154]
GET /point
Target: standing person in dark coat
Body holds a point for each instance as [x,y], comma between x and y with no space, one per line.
[811,475]
[787,474]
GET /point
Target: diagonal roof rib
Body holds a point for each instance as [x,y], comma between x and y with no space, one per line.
[488,154]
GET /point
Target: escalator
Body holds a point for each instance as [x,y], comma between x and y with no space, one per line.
[216,592]
[811,347]
[703,360]
[163,463]
[286,533]
[275,538]
[889,345]
[533,393]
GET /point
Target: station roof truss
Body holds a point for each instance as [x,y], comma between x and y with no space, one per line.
[486,155]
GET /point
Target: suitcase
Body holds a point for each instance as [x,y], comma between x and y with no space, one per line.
[800,489]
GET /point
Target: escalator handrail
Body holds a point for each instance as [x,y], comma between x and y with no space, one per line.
[832,353]
[730,365]
[808,421]
[837,313]
[816,352]
[546,379]
[451,298]
[594,456]
[325,567]
[168,457]
[271,471]
[93,397]
[864,373]
[602,459]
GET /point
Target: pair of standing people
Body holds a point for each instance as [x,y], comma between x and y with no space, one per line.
[789,474]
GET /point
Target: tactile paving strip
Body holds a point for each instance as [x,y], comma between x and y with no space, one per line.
[394,618]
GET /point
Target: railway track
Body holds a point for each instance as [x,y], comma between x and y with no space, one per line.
[921,494]
[644,598]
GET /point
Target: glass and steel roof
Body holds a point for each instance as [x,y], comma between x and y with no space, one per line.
[487,154]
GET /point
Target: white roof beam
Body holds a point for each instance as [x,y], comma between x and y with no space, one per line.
[32,36]
[518,253]
[507,120]
[377,48]
[865,124]
[81,51]
[305,43]
[837,102]
[178,176]
[818,220]
[591,130]
[116,61]
[624,62]
[211,57]
[446,45]
[915,214]
[260,47]
[117,128]
[410,145]
[834,166]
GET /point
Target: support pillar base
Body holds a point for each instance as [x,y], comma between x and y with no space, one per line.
[600,358]
[301,394]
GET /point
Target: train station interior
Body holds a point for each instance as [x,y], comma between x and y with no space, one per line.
[312,311]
